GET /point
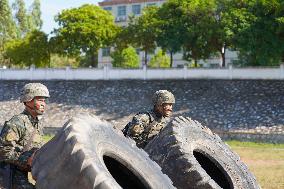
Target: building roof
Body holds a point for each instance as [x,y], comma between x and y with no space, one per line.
[117,2]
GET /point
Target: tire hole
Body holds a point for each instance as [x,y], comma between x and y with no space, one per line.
[214,171]
[123,176]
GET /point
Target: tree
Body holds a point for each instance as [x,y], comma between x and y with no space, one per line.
[260,43]
[189,27]
[57,61]
[7,24]
[32,49]
[84,30]
[122,39]
[198,19]
[143,30]
[221,35]
[280,25]
[21,17]
[171,28]
[160,60]
[127,58]
[35,21]
[8,29]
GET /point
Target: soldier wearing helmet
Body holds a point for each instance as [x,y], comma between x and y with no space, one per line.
[21,136]
[146,125]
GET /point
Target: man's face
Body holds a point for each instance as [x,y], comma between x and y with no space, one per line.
[38,104]
[165,109]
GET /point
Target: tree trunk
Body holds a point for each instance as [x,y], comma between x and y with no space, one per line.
[49,58]
[94,58]
[171,54]
[195,63]
[146,56]
[223,52]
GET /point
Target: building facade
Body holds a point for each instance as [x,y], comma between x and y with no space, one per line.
[122,9]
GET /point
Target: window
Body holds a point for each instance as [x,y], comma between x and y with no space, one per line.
[136,9]
[108,8]
[151,4]
[105,52]
[121,11]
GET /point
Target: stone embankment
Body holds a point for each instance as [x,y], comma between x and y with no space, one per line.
[241,109]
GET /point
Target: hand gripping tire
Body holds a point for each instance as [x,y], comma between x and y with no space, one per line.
[89,153]
[194,157]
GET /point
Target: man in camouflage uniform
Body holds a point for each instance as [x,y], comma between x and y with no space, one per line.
[146,125]
[20,137]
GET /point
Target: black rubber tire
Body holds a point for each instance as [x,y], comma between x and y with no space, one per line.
[89,153]
[194,157]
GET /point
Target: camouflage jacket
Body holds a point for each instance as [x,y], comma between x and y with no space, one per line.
[144,127]
[19,138]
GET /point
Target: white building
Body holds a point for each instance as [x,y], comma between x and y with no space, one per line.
[122,9]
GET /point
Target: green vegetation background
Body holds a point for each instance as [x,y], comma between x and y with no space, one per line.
[198,28]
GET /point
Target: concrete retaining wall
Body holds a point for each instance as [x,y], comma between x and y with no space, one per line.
[254,108]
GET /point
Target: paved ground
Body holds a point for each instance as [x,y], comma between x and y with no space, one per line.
[222,105]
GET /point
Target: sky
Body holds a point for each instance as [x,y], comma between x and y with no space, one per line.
[50,8]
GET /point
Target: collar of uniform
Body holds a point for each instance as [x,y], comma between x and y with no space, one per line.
[156,115]
[33,120]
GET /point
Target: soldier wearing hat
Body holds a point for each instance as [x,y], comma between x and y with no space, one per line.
[21,136]
[146,125]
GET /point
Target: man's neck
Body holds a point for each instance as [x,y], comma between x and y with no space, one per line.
[31,112]
[157,113]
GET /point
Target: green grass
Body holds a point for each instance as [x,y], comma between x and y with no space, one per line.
[265,161]
[46,138]
[234,143]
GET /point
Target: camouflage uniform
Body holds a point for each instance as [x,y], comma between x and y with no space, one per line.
[20,137]
[146,125]
[14,138]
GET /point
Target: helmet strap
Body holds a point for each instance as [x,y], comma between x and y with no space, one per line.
[35,109]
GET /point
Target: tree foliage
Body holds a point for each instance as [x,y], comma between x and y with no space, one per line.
[189,25]
[261,42]
[126,58]
[142,31]
[160,60]
[200,28]
[32,49]
[123,38]
[198,19]
[171,27]
[203,29]
[21,17]
[7,28]
[220,34]
[59,61]
[7,24]
[84,30]
[34,17]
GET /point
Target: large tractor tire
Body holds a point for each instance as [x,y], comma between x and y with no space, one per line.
[89,153]
[194,157]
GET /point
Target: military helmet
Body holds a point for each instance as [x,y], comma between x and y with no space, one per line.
[163,96]
[32,90]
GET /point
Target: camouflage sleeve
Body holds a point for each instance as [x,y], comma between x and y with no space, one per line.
[10,149]
[137,126]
